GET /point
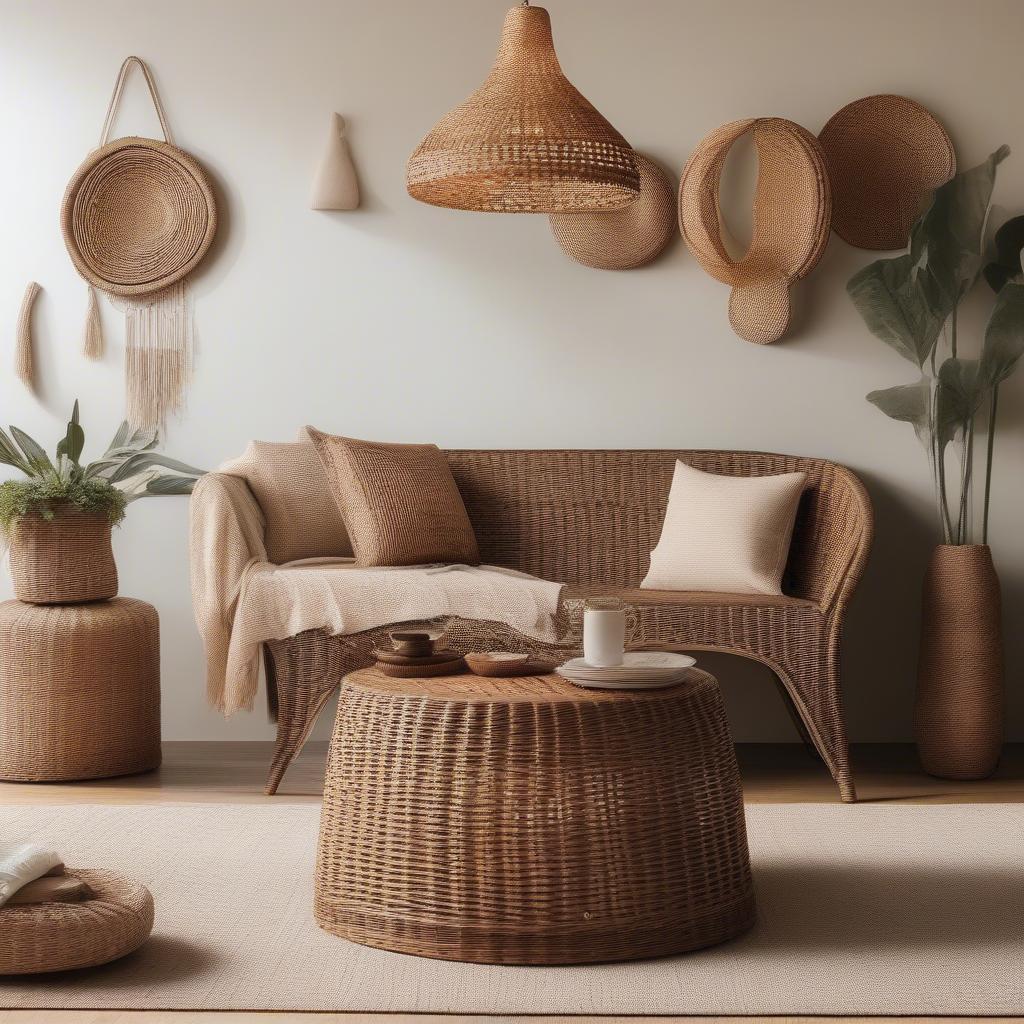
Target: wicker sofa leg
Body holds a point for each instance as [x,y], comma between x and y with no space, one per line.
[296,699]
[819,704]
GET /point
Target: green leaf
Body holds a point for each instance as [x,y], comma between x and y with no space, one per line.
[147,460]
[1004,335]
[948,241]
[1007,242]
[11,456]
[171,485]
[961,390]
[895,309]
[35,456]
[909,403]
[74,440]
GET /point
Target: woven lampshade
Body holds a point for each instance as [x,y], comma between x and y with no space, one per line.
[526,141]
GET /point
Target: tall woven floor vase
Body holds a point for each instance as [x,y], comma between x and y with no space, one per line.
[958,716]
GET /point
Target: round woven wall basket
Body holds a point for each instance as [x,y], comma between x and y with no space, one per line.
[626,238]
[886,155]
[138,215]
[792,218]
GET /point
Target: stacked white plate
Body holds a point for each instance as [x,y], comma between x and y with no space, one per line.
[643,670]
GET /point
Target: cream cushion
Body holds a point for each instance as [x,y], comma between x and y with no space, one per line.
[302,518]
[728,534]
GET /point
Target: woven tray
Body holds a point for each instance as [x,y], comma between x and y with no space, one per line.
[138,214]
[886,154]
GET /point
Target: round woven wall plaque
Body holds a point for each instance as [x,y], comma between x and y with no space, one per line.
[792,217]
[886,155]
[626,238]
[138,215]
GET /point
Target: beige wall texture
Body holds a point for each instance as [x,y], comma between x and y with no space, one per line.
[409,323]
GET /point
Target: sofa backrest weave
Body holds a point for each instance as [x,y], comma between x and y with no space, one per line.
[591,518]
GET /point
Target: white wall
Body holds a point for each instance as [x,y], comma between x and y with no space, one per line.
[408,323]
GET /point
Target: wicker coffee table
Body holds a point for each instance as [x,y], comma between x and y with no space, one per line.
[527,820]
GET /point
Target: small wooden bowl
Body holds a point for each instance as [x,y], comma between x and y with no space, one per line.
[484,663]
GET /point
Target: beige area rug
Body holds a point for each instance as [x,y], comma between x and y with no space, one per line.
[865,909]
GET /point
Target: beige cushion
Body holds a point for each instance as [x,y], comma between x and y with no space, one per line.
[400,502]
[288,481]
[728,534]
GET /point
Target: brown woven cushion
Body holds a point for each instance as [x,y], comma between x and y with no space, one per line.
[400,502]
[303,520]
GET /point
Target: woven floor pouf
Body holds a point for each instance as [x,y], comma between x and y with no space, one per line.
[46,937]
[79,690]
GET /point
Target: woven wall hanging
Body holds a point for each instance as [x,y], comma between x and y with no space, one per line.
[626,238]
[526,141]
[792,215]
[138,217]
[886,155]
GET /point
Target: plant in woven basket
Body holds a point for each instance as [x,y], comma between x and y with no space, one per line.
[912,303]
[58,520]
[128,469]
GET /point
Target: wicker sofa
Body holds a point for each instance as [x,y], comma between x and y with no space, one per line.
[589,519]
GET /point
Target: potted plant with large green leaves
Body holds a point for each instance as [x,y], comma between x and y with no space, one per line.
[57,521]
[912,302]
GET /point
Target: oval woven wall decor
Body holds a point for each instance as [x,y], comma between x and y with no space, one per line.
[626,238]
[792,217]
[138,215]
[886,154]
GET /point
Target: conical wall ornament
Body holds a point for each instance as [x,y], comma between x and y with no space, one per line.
[526,141]
[336,186]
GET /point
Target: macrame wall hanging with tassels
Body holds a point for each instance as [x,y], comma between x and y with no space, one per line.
[138,217]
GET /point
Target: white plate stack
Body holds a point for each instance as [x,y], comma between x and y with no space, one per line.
[643,670]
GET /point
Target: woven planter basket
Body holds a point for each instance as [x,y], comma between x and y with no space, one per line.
[792,220]
[627,238]
[79,690]
[64,560]
[526,141]
[48,937]
[958,717]
[886,155]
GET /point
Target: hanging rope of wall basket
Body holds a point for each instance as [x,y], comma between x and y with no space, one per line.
[792,217]
[138,217]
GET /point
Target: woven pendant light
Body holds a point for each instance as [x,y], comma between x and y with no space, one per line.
[526,141]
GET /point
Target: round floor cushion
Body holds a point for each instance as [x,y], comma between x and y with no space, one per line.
[46,937]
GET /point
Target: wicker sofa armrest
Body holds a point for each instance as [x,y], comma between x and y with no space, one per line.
[226,535]
[833,540]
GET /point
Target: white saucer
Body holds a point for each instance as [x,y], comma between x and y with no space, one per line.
[643,670]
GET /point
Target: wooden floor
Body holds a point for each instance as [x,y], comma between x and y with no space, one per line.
[234,772]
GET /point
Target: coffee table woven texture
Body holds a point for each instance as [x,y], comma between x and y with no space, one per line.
[46,937]
[527,821]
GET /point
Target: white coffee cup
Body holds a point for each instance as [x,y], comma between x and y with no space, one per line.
[604,632]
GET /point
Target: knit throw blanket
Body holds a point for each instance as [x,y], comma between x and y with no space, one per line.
[241,600]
